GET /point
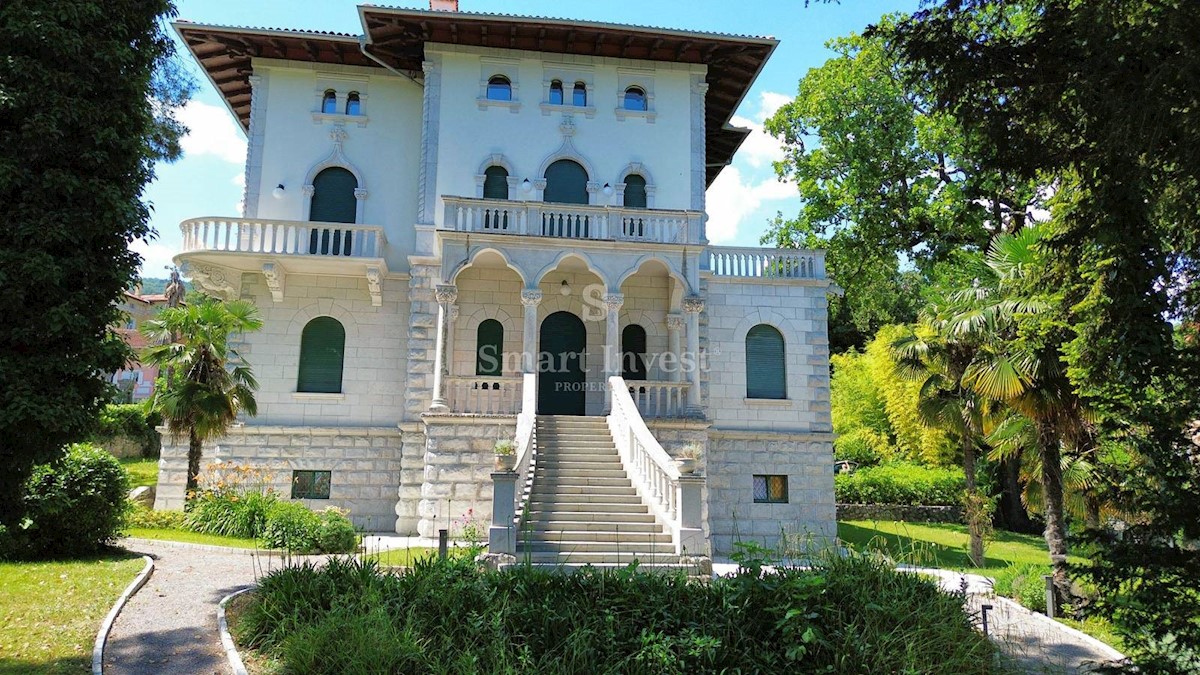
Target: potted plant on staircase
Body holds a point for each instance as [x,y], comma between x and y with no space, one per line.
[506,455]
[688,458]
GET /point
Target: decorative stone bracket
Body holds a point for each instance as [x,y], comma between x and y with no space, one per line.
[214,280]
[275,276]
[375,286]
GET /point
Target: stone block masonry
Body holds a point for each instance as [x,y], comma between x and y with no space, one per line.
[459,459]
[364,465]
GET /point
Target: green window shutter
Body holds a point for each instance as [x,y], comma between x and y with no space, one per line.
[633,352]
[765,374]
[489,348]
[566,183]
[635,191]
[322,351]
[495,183]
[333,199]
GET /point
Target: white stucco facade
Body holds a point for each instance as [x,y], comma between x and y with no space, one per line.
[406,435]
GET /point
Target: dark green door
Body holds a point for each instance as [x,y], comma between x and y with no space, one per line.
[566,183]
[560,365]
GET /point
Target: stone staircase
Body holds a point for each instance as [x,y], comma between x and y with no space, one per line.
[583,508]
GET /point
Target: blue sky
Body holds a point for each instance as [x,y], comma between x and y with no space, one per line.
[208,180]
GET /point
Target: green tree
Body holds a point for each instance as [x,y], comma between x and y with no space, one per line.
[886,179]
[207,384]
[87,90]
[1100,97]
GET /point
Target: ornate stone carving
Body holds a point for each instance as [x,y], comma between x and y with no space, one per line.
[613,301]
[214,280]
[274,275]
[338,135]
[567,126]
[446,294]
[309,191]
[675,321]
[454,312]
[531,297]
[375,286]
[360,194]
[693,304]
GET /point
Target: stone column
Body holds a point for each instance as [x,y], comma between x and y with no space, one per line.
[692,306]
[445,294]
[450,321]
[674,325]
[612,342]
[530,299]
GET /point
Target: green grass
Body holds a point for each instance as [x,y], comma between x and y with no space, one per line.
[1098,628]
[166,534]
[142,472]
[405,557]
[943,545]
[50,611]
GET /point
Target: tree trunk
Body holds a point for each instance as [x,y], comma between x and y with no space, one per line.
[1056,525]
[195,448]
[1013,514]
[971,504]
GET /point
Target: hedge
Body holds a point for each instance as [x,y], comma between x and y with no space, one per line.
[901,483]
[129,420]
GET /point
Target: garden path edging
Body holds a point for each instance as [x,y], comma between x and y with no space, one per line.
[106,627]
[231,652]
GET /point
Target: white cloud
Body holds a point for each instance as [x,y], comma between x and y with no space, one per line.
[211,131]
[155,256]
[761,148]
[731,198]
[240,181]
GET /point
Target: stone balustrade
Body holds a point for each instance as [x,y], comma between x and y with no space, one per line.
[484,395]
[282,237]
[766,263]
[571,221]
[659,399]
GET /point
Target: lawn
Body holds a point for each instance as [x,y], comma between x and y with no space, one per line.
[943,545]
[168,534]
[403,557]
[50,611]
[142,472]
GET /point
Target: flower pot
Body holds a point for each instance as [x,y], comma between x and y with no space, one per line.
[506,462]
[686,465]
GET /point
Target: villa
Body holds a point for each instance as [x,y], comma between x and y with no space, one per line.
[463,228]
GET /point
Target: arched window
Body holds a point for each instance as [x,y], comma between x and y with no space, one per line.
[635,191]
[489,347]
[556,92]
[566,183]
[579,95]
[635,98]
[765,374]
[353,104]
[333,201]
[329,102]
[499,88]
[322,350]
[633,352]
[495,183]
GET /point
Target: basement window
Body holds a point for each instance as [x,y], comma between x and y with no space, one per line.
[770,490]
[311,484]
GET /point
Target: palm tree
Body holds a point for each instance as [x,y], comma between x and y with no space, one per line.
[206,383]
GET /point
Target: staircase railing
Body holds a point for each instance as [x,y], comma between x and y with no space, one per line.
[672,496]
[510,489]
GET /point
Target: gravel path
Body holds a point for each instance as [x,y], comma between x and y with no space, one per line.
[170,626]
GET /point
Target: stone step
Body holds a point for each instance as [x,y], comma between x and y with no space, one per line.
[589,473]
[556,536]
[598,510]
[598,547]
[636,529]
[539,518]
[582,498]
[581,480]
[609,559]
[598,464]
[541,490]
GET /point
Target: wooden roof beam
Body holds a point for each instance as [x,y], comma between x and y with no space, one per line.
[571,40]
[599,41]
[512,37]
[683,47]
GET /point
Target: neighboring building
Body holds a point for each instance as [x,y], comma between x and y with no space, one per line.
[136,381]
[438,210]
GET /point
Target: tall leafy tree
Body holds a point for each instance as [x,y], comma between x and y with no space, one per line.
[207,384]
[86,96]
[1102,98]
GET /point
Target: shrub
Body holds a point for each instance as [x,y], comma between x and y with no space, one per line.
[855,614]
[130,420]
[230,514]
[140,516]
[860,446]
[291,526]
[336,533]
[75,505]
[901,483]
[1025,584]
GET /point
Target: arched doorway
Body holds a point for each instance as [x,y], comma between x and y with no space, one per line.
[566,183]
[560,365]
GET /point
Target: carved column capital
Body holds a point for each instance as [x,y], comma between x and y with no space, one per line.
[693,304]
[308,190]
[454,311]
[531,297]
[614,301]
[360,193]
[674,321]
[446,294]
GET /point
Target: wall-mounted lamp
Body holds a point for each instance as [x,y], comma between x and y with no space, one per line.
[608,190]
[278,191]
[564,288]
[526,186]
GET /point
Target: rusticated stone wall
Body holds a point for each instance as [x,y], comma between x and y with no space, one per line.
[459,459]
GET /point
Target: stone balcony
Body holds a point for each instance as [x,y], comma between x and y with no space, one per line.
[571,221]
[217,250]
